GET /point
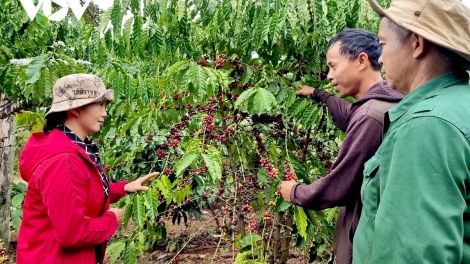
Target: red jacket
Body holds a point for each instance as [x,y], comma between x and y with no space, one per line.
[61,222]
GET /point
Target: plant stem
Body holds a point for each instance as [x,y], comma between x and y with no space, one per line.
[287,240]
[233,165]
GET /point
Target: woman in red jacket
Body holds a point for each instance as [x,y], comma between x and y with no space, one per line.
[66,214]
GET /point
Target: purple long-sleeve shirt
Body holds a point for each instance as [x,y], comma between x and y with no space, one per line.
[362,121]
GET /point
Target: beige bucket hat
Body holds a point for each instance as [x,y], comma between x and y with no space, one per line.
[76,90]
[444,22]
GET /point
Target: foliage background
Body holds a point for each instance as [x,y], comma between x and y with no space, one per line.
[256,53]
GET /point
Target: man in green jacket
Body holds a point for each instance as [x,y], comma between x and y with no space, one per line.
[416,188]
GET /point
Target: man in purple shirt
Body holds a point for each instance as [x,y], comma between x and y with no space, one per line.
[354,71]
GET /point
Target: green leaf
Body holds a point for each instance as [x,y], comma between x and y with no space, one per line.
[152,204]
[213,161]
[262,176]
[33,71]
[165,187]
[304,241]
[223,78]
[177,67]
[277,26]
[250,240]
[17,200]
[244,97]
[115,249]
[265,30]
[171,245]
[104,20]
[182,194]
[185,161]
[116,18]
[309,116]
[71,62]
[282,205]
[300,219]
[299,168]
[134,120]
[156,37]
[197,76]
[127,30]
[181,8]
[128,209]
[298,106]
[130,255]
[139,211]
[212,77]
[263,102]
[290,99]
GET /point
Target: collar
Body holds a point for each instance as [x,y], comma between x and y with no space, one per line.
[87,145]
[427,90]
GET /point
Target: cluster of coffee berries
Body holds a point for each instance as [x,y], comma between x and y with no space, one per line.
[221,191]
[167,171]
[203,61]
[247,208]
[159,196]
[259,140]
[220,61]
[247,86]
[14,111]
[322,153]
[161,153]
[209,110]
[222,139]
[273,173]
[208,119]
[174,143]
[234,85]
[176,95]
[257,67]
[272,205]
[251,225]
[174,137]
[267,216]
[290,175]
[184,182]
[149,138]
[202,169]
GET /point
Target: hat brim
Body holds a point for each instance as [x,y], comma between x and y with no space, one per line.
[107,96]
[382,13]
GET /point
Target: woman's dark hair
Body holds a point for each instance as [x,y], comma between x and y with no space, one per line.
[53,120]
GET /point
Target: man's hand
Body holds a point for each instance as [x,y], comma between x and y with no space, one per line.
[118,212]
[286,188]
[305,90]
[138,185]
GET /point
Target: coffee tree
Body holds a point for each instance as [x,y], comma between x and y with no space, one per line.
[204,93]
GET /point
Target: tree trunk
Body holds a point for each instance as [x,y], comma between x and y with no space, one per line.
[7,158]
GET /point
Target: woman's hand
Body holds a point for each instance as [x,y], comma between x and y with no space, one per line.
[138,185]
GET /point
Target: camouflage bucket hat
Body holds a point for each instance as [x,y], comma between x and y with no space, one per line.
[446,23]
[76,90]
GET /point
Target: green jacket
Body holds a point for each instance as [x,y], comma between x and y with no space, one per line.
[416,188]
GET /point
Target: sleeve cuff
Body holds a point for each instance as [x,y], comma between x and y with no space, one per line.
[292,194]
[317,95]
[114,222]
